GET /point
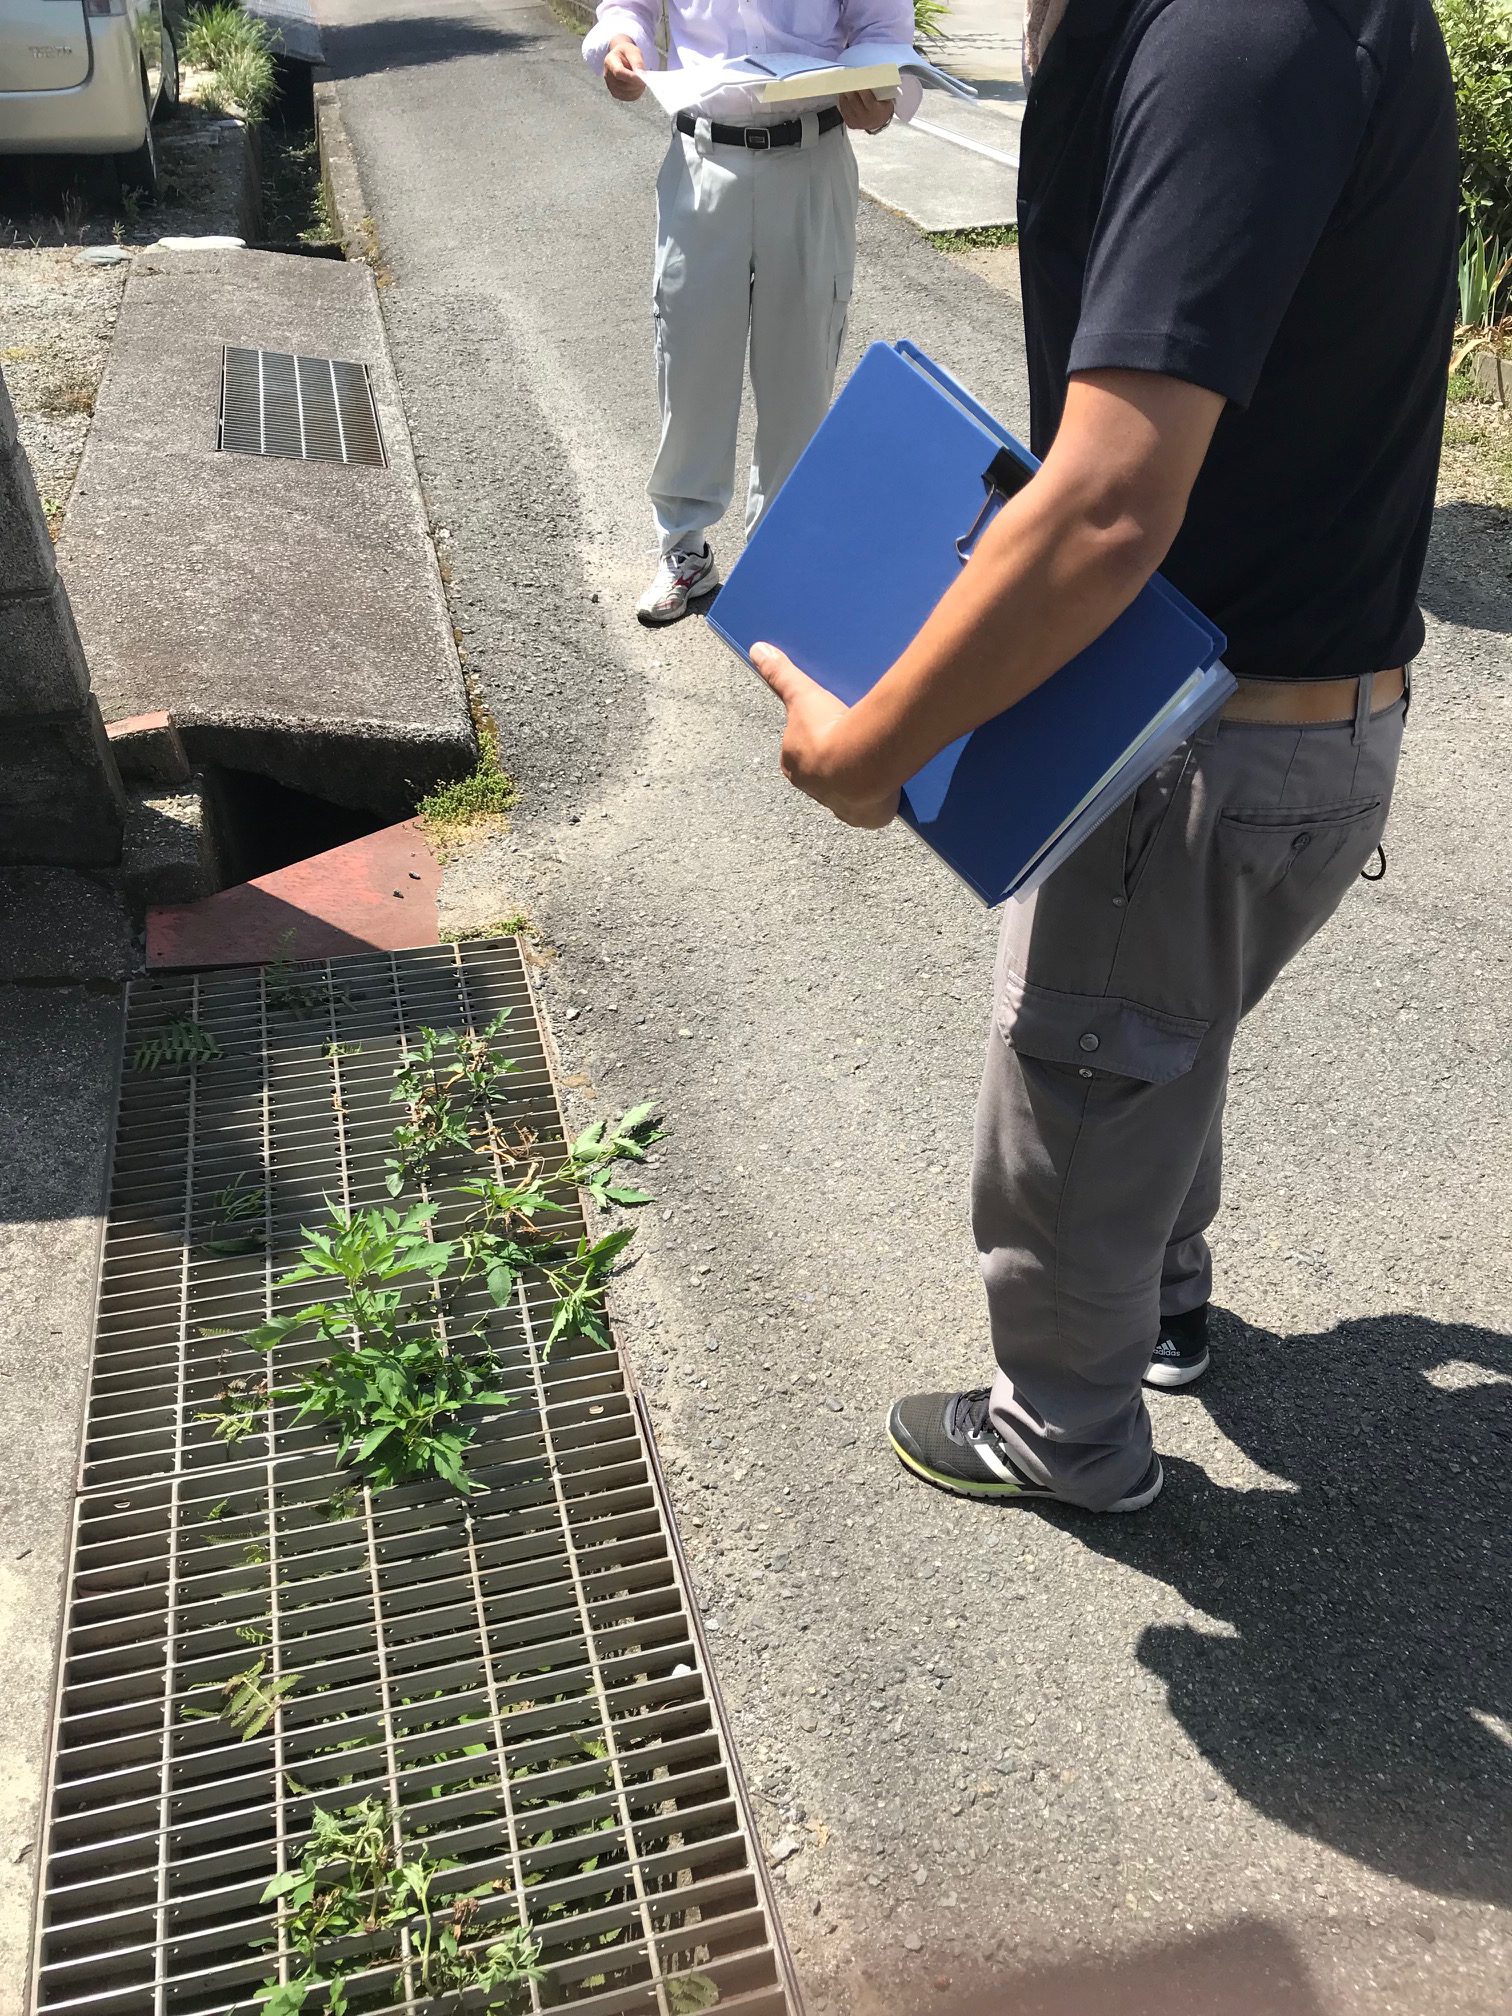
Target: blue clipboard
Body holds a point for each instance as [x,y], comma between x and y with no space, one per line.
[874,524]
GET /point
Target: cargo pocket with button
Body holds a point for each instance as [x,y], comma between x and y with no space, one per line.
[1127,1039]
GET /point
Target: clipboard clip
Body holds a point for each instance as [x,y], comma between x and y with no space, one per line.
[1004,476]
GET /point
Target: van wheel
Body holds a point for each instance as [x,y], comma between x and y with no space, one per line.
[138,170]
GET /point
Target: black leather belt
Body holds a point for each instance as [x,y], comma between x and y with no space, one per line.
[759,138]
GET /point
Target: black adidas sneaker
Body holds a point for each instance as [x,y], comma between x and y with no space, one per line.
[948,1439]
[1182,1354]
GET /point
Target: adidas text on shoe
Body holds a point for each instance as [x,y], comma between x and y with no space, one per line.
[682,582]
[1181,1353]
[948,1439]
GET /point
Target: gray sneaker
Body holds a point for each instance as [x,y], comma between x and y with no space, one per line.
[683,581]
[948,1439]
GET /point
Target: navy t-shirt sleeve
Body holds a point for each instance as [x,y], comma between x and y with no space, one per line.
[1228,157]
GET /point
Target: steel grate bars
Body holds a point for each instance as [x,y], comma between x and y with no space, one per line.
[518,1676]
[305,409]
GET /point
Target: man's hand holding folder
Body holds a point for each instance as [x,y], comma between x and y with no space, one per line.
[1059,562]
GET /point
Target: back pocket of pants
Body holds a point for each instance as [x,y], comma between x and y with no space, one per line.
[1301,847]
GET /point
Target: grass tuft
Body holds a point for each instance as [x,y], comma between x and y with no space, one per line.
[517,925]
[237,51]
[487,792]
[975,238]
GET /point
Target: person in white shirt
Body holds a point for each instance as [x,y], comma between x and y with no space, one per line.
[755,250]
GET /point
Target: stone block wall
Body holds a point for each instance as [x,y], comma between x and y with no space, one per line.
[61,799]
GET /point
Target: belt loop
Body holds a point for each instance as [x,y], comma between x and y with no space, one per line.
[703,131]
[810,124]
[1362,707]
[1207,734]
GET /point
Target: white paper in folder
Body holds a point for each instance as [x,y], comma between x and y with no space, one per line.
[791,76]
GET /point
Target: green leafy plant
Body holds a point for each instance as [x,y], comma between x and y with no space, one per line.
[181,1041]
[445,1074]
[929,20]
[236,48]
[691,1994]
[242,1204]
[1485,271]
[247,1700]
[1478,34]
[579,1283]
[238,1411]
[399,1369]
[592,1156]
[391,1387]
[302,991]
[352,1881]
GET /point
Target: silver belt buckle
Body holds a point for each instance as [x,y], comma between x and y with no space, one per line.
[758,137]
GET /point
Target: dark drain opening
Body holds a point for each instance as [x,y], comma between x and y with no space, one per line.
[264,825]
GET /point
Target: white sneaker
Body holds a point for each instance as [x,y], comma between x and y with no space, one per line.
[682,580]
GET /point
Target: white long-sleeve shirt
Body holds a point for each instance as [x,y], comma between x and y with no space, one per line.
[712,31]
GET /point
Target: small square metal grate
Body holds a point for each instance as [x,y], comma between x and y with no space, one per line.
[518,1677]
[312,409]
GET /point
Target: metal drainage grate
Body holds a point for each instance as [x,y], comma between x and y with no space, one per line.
[520,1676]
[315,409]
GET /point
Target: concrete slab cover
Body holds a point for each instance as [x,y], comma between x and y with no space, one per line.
[287,614]
[377,892]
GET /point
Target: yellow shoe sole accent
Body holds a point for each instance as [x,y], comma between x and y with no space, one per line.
[959,1485]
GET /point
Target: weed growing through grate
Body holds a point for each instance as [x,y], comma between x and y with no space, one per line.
[248,1700]
[691,1994]
[238,1410]
[394,1384]
[181,1041]
[392,1393]
[237,1205]
[445,1075]
[351,1883]
[302,992]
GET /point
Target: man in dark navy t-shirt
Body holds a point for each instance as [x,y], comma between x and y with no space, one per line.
[1238,229]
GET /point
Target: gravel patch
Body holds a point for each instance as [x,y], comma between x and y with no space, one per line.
[56,319]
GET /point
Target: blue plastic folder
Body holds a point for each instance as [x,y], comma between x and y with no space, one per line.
[863,539]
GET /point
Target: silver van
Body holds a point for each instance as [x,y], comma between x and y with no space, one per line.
[89,77]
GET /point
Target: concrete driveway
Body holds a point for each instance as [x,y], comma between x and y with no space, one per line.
[1252,1751]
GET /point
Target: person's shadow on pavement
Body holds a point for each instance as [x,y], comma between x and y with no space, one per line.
[1352,1674]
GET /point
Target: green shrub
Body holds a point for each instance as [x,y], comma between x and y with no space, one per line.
[1479,35]
[929,18]
[1485,279]
[237,50]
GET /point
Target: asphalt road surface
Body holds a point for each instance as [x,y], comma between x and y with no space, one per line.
[1251,1751]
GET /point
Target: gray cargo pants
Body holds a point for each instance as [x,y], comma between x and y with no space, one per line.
[1119,987]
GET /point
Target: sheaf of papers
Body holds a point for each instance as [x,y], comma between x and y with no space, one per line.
[902,56]
[679,90]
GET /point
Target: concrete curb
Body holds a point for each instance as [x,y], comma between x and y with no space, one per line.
[340,179]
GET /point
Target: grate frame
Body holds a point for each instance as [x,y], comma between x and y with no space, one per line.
[282,404]
[523,1676]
